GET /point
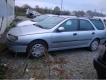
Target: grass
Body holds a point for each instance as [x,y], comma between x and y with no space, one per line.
[2,71]
[2,47]
[2,67]
[13,24]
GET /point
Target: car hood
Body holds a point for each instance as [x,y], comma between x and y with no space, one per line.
[27,22]
[27,30]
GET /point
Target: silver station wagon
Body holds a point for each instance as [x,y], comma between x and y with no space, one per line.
[56,33]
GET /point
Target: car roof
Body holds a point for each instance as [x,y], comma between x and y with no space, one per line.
[67,17]
[99,17]
[50,15]
[73,17]
[64,16]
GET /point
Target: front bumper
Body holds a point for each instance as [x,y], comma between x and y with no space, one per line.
[16,47]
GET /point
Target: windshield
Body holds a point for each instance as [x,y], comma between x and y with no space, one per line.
[50,22]
[39,18]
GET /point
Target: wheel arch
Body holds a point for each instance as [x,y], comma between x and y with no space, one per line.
[97,39]
[34,42]
[94,39]
[38,40]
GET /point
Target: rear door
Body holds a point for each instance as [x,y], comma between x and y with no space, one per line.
[86,32]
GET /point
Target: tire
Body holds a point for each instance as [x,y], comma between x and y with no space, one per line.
[36,49]
[104,44]
[94,45]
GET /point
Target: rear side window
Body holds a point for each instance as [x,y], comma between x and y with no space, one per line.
[85,25]
[98,24]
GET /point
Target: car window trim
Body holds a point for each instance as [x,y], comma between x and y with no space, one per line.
[89,22]
[67,20]
[96,27]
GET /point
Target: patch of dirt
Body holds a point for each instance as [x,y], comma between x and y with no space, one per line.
[66,64]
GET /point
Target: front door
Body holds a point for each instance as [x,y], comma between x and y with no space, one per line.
[67,37]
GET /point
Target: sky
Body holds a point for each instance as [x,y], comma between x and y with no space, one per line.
[98,5]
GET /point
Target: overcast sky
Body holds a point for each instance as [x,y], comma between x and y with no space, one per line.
[98,5]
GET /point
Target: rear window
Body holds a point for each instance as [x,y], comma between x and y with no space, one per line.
[98,24]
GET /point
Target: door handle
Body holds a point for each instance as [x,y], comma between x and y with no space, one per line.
[74,34]
[93,33]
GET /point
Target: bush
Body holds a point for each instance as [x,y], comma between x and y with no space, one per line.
[13,24]
[2,71]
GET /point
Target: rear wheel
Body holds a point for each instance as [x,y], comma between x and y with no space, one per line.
[94,45]
[37,49]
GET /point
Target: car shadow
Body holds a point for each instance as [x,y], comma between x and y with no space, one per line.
[68,51]
[11,54]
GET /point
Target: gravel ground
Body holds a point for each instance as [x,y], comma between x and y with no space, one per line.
[66,64]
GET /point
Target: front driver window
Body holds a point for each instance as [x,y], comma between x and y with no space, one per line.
[70,25]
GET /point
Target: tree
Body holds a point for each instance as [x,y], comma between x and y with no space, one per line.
[94,13]
[89,13]
[56,10]
[20,11]
[65,12]
[79,13]
[37,8]
[26,6]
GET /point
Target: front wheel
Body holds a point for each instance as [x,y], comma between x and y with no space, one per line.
[37,49]
[94,45]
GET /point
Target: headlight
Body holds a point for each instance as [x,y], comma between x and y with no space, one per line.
[12,37]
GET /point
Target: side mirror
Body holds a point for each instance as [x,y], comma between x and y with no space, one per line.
[60,29]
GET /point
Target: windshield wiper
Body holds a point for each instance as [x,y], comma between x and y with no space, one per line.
[38,25]
[32,20]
